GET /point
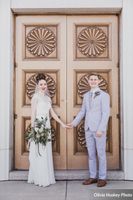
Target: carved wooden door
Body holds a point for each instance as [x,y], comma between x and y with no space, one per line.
[92,46]
[66,49]
[40,47]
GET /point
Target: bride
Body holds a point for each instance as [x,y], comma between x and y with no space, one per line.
[41,171]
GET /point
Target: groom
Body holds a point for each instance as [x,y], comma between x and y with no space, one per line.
[96,110]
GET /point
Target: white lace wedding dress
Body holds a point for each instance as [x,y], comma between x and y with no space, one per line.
[41,171]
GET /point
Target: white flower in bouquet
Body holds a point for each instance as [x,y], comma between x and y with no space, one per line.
[36,129]
[37,135]
[41,129]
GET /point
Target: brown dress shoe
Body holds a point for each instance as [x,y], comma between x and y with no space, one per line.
[101,183]
[89,181]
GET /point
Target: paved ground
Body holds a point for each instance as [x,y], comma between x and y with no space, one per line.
[63,190]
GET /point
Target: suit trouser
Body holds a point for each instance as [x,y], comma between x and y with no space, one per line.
[96,145]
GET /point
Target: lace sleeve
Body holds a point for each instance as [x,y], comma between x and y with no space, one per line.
[33,109]
[50,101]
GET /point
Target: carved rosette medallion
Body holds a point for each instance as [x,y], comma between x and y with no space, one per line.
[31,85]
[92,41]
[81,135]
[41,41]
[53,134]
[83,85]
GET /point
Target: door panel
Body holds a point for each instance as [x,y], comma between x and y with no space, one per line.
[66,49]
[92,47]
[40,47]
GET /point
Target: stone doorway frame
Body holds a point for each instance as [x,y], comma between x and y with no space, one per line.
[8,11]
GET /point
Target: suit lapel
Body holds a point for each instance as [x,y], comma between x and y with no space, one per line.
[89,100]
[92,100]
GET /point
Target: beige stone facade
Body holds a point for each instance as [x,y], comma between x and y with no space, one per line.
[114,65]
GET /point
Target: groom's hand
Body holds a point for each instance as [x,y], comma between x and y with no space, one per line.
[69,125]
[64,125]
[99,133]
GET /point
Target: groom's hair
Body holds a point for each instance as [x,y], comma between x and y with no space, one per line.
[94,74]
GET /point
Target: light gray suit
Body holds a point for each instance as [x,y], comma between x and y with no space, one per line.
[96,112]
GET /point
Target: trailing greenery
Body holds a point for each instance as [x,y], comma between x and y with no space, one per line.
[39,133]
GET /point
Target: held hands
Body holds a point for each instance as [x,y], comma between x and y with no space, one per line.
[64,125]
[70,125]
[67,125]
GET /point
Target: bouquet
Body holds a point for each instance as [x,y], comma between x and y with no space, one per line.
[39,133]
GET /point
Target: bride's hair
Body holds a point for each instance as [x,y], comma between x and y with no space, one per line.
[40,77]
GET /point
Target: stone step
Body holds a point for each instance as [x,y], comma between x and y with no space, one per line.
[67,175]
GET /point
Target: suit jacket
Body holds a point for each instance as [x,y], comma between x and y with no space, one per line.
[96,113]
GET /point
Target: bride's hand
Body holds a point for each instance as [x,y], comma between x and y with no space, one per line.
[64,125]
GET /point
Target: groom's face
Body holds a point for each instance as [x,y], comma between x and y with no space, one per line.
[93,81]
